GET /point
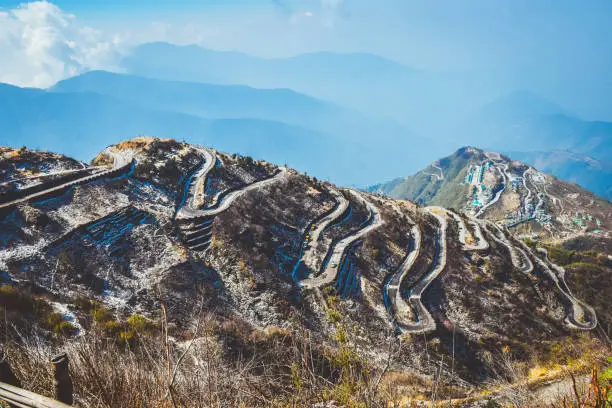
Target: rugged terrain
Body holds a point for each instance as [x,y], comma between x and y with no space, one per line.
[494,187]
[409,297]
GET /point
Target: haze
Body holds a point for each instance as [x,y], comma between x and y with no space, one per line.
[422,78]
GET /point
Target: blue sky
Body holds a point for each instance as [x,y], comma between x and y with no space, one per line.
[545,43]
[434,34]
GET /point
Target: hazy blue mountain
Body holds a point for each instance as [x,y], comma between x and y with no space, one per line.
[518,105]
[586,171]
[235,101]
[476,107]
[194,63]
[205,100]
[370,83]
[80,124]
[523,121]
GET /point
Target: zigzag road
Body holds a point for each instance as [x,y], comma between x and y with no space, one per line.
[519,258]
[330,270]
[397,306]
[188,207]
[309,257]
[496,197]
[84,170]
[425,322]
[577,318]
[482,242]
[196,224]
[579,310]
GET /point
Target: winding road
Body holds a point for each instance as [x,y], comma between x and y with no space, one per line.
[440,176]
[309,257]
[196,224]
[519,258]
[395,303]
[330,270]
[576,317]
[84,170]
[494,200]
[122,165]
[425,322]
[482,242]
[188,207]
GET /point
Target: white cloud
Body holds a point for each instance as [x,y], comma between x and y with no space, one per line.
[40,45]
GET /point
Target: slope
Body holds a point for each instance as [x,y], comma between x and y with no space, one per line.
[590,173]
[514,194]
[190,236]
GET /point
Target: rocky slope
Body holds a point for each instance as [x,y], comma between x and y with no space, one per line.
[515,195]
[168,226]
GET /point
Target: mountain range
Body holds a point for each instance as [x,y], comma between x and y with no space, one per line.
[279,124]
[365,118]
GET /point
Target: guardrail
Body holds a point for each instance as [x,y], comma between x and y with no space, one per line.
[15,396]
[60,178]
[56,189]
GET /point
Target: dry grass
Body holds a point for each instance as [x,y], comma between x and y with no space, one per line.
[213,364]
[227,363]
[137,143]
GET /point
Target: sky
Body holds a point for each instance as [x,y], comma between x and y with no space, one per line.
[544,43]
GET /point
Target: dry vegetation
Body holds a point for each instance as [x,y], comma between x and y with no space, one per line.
[212,361]
[256,339]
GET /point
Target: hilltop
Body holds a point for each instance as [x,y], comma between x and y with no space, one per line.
[278,287]
[513,194]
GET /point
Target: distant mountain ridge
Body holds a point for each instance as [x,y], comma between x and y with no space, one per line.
[450,109]
[588,172]
[235,101]
[523,121]
[367,82]
[81,115]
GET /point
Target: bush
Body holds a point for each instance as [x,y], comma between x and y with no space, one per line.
[333,316]
[101,314]
[141,324]
[60,326]
[65,329]
[560,256]
[112,328]
[54,319]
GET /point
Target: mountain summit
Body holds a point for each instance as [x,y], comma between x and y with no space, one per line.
[513,194]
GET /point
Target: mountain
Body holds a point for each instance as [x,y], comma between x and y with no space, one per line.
[81,124]
[590,173]
[213,101]
[514,194]
[378,86]
[108,107]
[481,108]
[521,104]
[524,121]
[243,102]
[242,282]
